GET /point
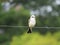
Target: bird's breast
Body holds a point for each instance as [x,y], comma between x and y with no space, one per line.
[32,22]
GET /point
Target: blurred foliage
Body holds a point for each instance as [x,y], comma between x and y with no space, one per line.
[13,18]
[36,39]
[20,18]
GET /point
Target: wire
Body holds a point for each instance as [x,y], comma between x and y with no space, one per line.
[11,26]
[27,26]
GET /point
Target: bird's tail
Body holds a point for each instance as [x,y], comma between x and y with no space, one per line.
[29,30]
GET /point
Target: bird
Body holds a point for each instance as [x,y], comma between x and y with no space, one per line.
[31,23]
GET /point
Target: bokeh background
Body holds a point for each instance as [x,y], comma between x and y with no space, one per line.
[14,15]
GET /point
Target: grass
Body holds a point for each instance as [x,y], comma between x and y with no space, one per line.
[36,39]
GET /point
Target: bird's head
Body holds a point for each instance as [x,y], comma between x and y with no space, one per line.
[32,16]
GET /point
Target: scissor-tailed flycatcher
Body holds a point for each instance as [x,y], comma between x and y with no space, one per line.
[31,23]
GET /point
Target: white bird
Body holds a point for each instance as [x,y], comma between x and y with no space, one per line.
[31,23]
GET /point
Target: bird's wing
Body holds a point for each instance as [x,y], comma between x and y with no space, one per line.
[28,21]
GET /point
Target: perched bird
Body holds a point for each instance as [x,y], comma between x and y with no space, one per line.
[31,23]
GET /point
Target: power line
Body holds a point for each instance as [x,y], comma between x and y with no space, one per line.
[27,26]
[11,26]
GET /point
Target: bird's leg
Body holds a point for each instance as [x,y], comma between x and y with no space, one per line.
[29,30]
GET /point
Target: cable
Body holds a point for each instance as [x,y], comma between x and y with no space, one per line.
[11,26]
[27,26]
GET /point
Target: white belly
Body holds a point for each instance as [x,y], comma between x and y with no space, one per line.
[32,22]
